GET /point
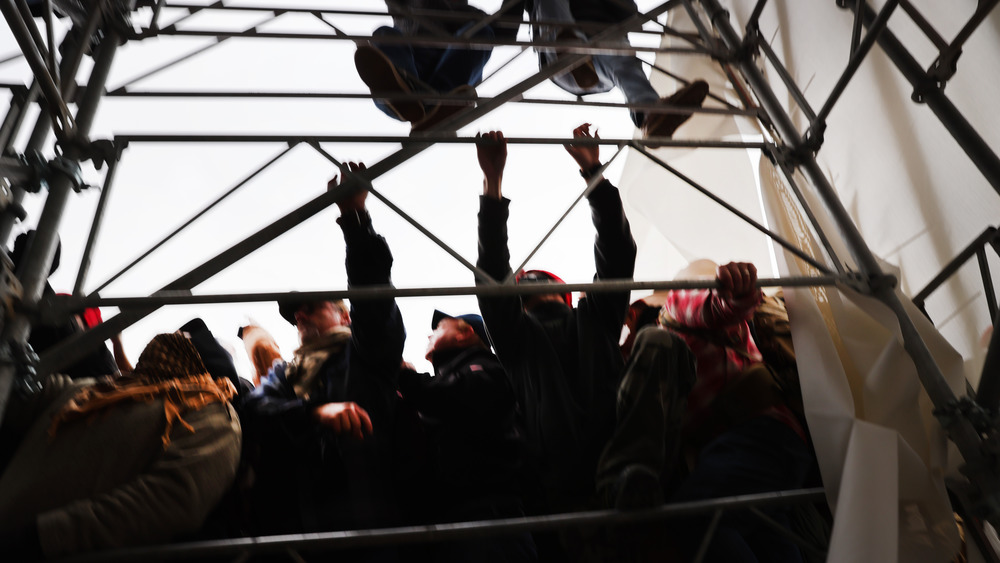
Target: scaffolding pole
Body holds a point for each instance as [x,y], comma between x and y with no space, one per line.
[277,545]
[58,305]
[928,90]
[74,46]
[75,347]
[872,279]
[39,257]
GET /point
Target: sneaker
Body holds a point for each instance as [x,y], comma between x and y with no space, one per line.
[381,77]
[443,110]
[638,487]
[585,75]
[664,124]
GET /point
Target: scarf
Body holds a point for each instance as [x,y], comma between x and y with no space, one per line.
[179,396]
[304,367]
[170,369]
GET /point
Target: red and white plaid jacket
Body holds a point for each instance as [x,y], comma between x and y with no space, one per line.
[706,310]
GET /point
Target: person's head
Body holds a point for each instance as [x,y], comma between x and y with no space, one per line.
[541,276]
[644,312]
[450,333]
[701,269]
[169,356]
[314,317]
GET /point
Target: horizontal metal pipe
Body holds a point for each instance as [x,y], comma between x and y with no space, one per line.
[454,531]
[423,97]
[440,138]
[596,47]
[445,15]
[57,304]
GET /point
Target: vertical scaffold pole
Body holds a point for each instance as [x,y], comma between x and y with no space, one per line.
[40,255]
[74,47]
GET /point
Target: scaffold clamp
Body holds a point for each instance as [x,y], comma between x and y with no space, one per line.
[105,151]
[23,357]
[965,408]
[69,168]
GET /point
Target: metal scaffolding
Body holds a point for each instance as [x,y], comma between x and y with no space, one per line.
[105,26]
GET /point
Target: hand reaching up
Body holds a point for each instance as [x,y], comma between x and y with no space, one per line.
[587,156]
[356,200]
[737,279]
[491,148]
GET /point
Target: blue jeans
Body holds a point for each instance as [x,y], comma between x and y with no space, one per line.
[623,71]
[760,455]
[433,69]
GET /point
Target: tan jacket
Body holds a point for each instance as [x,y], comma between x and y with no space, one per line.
[109,482]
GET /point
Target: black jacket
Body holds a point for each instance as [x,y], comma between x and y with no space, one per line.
[474,445]
[308,478]
[564,363]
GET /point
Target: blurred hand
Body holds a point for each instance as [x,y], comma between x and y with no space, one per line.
[344,419]
[355,201]
[737,279]
[587,156]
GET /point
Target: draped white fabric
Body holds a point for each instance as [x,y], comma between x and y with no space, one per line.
[916,199]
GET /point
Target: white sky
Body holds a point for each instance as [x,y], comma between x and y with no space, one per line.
[159,186]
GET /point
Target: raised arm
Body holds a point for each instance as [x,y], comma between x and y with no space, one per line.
[376,324]
[614,248]
[503,315]
[491,149]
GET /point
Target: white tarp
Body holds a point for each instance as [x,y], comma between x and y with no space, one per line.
[916,199]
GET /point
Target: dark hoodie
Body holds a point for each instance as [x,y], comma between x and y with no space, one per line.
[474,445]
[564,362]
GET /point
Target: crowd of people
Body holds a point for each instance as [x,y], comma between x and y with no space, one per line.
[533,407]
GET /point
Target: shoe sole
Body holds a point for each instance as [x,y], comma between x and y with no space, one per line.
[585,75]
[691,95]
[381,77]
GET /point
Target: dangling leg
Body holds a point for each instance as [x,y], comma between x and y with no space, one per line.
[389,69]
[583,78]
[651,400]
